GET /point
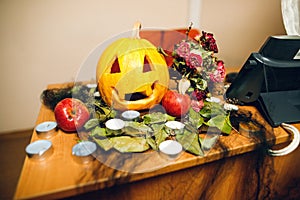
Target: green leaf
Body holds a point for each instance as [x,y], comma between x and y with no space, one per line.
[190,90]
[157,117]
[105,110]
[140,126]
[182,62]
[157,127]
[201,84]
[98,132]
[136,129]
[191,128]
[227,126]
[127,144]
[209,141]
[102,112]
[92,123]
[112,114]
[100,117]
[195,118]
[194,80]
[190,142]
[206,110]
[152,143]
[169,117]
[161,50]
[159,133]
[221,122]
[216,121]
[104,143]
[211,109]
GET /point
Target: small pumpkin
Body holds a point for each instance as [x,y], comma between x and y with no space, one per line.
[132,74]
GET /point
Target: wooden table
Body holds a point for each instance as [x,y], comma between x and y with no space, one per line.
[235,168]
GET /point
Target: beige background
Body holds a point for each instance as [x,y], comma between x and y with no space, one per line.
[46,41]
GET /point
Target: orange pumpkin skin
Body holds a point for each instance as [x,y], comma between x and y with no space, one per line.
[130,66]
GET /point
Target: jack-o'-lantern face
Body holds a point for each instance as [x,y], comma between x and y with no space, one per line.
[132,74]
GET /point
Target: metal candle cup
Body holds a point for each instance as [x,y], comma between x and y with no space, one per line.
[130,115]
[82,152]
[170,149]
[115,126]
[39,150]
[174,127]
[46,130]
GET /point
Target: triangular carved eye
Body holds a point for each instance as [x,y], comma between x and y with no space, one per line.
[115,68]
[147,65]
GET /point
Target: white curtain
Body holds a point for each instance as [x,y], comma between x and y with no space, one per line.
[195,13]
[291,14]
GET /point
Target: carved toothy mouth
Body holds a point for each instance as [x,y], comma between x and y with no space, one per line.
[138,99]
[138,95]
[135,96]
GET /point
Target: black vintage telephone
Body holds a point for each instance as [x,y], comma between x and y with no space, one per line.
[270,79]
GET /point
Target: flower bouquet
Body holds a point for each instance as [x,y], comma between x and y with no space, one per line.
[202,77]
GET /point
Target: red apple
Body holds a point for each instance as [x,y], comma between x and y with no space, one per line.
[176,104]
[71,114]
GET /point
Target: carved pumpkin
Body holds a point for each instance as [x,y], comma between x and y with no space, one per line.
[132,74]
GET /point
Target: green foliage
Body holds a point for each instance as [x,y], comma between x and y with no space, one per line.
[157,117]
[126,144]
[190,142]
[213,115]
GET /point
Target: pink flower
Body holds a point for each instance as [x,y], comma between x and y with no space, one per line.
[197,105]
[218,75]
[194,60]
[221,69]
[215,77]
[183,49]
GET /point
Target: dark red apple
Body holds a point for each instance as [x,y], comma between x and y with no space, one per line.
[71,114]
[176,104]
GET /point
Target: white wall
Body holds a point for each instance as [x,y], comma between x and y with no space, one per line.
[46,41]
[241,26]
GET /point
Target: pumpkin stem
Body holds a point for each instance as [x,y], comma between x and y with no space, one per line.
[188,31]
[136,30]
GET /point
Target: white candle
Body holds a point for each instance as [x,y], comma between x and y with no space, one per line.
[82,152]
[46,129]
[85,148]
[171,148]
[130,114]
[38,149]
[115,124]
[174,125]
